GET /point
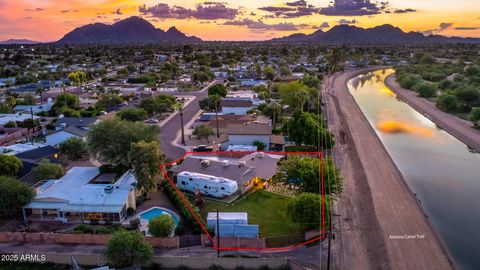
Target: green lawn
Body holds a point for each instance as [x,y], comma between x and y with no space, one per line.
[266,209]
[302,148]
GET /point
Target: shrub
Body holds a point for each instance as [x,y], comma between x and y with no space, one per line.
[182,208]
[135,223]
[260,145]
[161,226]
[103,230]
[180,228]
[448,103]
[215,267]
[127,248]
[425,89]
[130,211]
[84,228]
[47,170]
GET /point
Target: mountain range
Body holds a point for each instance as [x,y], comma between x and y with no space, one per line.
[18,41]
[383,34]
[130,30]
[138,30]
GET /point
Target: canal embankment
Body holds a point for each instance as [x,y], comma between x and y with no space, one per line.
[379,212]
[459,128]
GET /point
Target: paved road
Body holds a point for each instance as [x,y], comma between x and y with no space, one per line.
[376,203]
[170,129]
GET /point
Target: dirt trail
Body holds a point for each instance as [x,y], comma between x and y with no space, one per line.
[376,205]
[459,128]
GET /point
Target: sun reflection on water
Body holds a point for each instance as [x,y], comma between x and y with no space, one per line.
[402,127]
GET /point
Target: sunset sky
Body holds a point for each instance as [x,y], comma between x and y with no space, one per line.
[49,20]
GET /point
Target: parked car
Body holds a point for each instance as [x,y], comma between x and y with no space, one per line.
[202,148]
[151,121]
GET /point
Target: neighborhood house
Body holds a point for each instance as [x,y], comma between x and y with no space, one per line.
[245,171]
[83,195]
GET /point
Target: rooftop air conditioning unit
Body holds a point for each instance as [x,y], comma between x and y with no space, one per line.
[225,163]
[108,189]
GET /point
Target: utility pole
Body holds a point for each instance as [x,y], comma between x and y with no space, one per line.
[329,235]
[181,122]
[218,235]
[33,124]
[216,116]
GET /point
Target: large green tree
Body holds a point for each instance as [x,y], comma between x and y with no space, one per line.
[306,173]
[306,210]
[307,128]
[132,114]
[146,159]
[159,104]
[107,101]
[128,248]
[10,165]
[74,148]
[110,141]
[66,100]
[203,132]
[296,94]
[15,195]
[217,89]
[47,170]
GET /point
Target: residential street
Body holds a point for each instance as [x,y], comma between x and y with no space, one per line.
[170,129]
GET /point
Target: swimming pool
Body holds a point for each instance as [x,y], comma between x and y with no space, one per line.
[158,211]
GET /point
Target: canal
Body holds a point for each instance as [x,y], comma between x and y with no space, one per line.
[442,171]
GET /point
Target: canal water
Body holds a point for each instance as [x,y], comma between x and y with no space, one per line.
[441,170]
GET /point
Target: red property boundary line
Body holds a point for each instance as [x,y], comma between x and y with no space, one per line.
[322,235]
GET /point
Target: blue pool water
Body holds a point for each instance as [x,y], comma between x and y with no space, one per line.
[156,212]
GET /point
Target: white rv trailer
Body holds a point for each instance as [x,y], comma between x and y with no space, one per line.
[208,185]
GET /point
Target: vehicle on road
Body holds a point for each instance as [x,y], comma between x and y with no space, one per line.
[202,148]
[151,121]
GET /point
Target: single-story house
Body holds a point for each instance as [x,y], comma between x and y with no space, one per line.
[252,82]
[15,117]
[62,135]
[8,81]
[34,108]
[247,134]
[78,196]
[237,106]
[80,122]
[67,127]
[246,171]
[225,120]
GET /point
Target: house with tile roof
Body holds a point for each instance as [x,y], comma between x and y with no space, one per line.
[246,170]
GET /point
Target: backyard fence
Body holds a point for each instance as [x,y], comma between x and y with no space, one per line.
[80,239]
[176,262]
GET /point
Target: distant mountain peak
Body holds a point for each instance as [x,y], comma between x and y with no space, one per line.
[382,34]
[18,41]
[130,30]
